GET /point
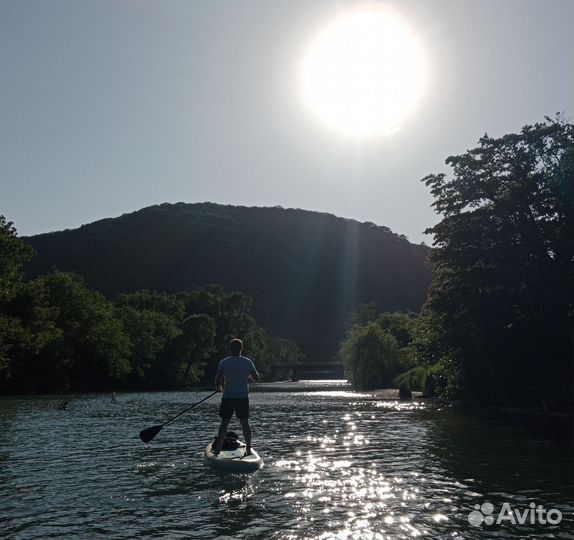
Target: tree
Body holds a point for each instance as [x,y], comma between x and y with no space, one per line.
[499,311]
[150,332]
[158,302]
[13,254]
[60,335]
[290,261]
[231,314]
[389,358]
[187,355]
[364,314]
[56,334]
[170,347]
[280,355]
[91,339]
[371,356]
[399,324]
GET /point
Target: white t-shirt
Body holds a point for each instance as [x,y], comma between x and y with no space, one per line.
[236,370]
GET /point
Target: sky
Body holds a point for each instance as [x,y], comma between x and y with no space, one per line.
[110,106]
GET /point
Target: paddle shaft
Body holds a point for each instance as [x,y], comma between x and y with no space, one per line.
[188,409]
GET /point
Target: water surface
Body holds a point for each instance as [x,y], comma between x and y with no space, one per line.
[338,465]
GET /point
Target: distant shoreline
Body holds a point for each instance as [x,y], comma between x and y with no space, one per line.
[332,385]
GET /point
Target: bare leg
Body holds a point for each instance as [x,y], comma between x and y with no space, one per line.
[246,433]
[222,433]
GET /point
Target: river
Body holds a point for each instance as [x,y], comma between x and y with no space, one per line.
[338,465]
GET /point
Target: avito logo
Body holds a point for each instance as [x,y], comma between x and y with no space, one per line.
[534,515]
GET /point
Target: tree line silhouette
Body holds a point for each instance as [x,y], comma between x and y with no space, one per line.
[57,334]
[306,271]
[497,323]
[489,320]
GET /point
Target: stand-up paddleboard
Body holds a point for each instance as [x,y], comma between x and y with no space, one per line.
[232,457]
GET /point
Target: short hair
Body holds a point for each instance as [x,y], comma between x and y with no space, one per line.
[236,346]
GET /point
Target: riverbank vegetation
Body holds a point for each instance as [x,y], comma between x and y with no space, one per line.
[497,324]
[380,352]
[377,347]
[306,271]
[57,334]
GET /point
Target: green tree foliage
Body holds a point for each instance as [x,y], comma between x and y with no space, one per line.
[13,254]
[499,313]
[364,314]
[306,271]
[57,334]
[144,300]
[378,346]
[150,332]
[68,338]
[169,347]
[179,339]
[230,313]
[371,356]
[400,325]
[429,380]
[280,354]
[186,356]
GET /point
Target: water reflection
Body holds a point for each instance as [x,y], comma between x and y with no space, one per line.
[339,465]
[351,480]
[394,476]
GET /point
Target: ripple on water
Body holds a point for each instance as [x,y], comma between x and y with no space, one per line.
[339,465]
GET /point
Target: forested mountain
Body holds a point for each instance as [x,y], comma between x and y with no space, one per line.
[306,271]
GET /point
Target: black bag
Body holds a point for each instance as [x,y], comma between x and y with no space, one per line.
[229,443]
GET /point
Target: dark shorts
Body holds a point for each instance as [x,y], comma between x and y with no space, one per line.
[238,405]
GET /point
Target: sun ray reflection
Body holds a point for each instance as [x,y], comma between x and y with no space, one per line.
[351,477]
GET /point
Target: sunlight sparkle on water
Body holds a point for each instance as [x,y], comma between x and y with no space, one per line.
[337,467]
[360,501]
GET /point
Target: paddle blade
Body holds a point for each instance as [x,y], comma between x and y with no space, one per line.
[149,433]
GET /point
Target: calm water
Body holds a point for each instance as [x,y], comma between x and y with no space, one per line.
[338,465]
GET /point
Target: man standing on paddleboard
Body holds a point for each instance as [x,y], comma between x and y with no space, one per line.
[233,376]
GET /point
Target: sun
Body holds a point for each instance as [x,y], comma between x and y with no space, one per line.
[364,73]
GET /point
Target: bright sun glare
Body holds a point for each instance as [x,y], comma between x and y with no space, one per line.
[363,73]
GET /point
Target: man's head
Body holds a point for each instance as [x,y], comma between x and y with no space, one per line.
[236,346]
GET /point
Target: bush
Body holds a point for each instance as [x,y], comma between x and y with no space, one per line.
[426,379]
[371,356]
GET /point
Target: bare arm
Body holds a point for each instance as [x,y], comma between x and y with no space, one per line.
[254,376]
[219,380]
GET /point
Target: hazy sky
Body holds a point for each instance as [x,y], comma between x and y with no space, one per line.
[110,106]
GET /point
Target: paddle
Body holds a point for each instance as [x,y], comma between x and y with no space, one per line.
[149,433]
